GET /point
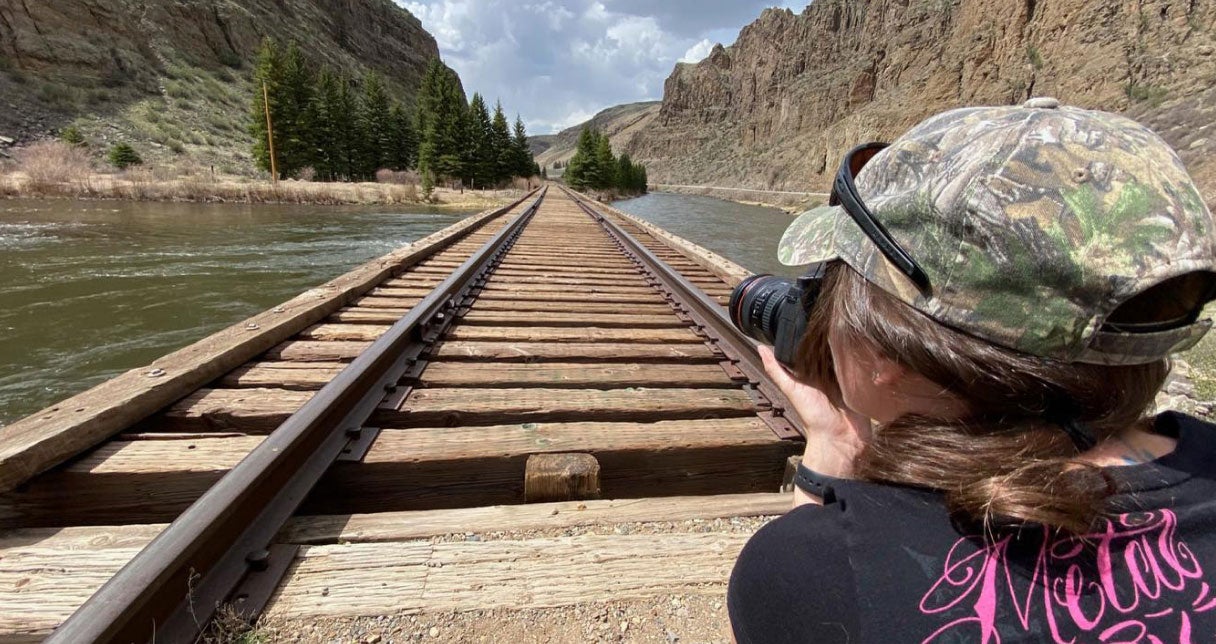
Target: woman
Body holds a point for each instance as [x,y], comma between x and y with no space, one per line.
[1004,288]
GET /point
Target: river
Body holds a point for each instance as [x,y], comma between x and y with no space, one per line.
[93,288]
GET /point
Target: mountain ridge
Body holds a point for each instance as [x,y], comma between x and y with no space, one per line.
[778,108]
[173,77]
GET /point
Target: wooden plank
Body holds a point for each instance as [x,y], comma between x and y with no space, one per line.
[573,266]
[518,296]
[39,589]
[359,315]
[262,410]
[420,468]
[535,318]
[561,477]
[356,332]
[315,351]
[125,482]
[391,578]
[374,302]
[418,292]
[283,375]
[623,286]
[560,352]
[516,374]
[240,410]
[460,406]
[560,334]
[571,306]
[50,436]
[418,524]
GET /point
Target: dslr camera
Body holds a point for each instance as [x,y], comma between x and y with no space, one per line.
[774,310]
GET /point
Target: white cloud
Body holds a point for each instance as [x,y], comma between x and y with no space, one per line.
[698,52]
[557,62]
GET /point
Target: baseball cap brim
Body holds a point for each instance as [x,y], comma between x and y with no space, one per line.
[813,236]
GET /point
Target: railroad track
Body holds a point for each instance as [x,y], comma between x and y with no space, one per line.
[553,352]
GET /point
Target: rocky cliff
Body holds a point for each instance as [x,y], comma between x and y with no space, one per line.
[174,73]
[779,107]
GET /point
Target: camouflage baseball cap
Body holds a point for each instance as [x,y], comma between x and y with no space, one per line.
[1033,224]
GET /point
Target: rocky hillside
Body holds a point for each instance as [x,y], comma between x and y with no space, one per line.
[778,108]
[621,123]
[172,76]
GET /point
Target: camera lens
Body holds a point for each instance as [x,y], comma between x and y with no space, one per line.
[757,303]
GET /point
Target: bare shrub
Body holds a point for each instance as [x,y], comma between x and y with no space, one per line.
[53,165]
[384,175]
[307,173]
[520,183]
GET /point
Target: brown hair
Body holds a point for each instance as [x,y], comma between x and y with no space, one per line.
[1003,464]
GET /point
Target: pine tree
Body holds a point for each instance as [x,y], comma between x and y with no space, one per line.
[524,167]
[327,145]
[581,171]
[500,137]
[375,126]
[605,163]
[345,131]
[403,139]
[484,160]
[295,124]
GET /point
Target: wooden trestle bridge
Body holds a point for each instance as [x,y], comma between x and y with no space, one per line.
[552,363]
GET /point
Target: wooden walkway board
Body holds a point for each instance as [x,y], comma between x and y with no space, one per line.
[419,524]
[550,351]
[416,576]
[513,374]
[46,573]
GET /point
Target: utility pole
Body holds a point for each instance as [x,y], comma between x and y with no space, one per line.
[274,170]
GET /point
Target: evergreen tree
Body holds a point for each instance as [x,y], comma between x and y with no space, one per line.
[268,72]
[296,123]
[484,159]
[443,121]
[123,156]
[625,174]
[375,126]
[524,167]
[345,129]
[326,153]
[500,137]
[606,163]
[403,139]
[580,170]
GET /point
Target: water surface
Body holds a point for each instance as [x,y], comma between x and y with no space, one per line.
[746,235]
[93,288]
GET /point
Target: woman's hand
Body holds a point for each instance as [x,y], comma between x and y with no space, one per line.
[834,436]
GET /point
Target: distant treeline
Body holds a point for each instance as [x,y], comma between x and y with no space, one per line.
[325,128]
[594,166]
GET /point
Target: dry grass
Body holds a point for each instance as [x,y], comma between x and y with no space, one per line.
[56,169]
[50,165]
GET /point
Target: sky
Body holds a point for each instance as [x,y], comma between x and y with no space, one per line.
[558,62]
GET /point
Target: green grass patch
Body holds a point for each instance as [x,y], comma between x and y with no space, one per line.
[1151,94]
[1033,55]
[56,95]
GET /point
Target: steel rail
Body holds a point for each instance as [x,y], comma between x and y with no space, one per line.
[714,322]
[169,591]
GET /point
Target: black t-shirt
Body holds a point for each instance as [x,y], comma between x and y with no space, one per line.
[883,563]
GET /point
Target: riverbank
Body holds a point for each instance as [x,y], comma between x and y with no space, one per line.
[204,187]
[790,202]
